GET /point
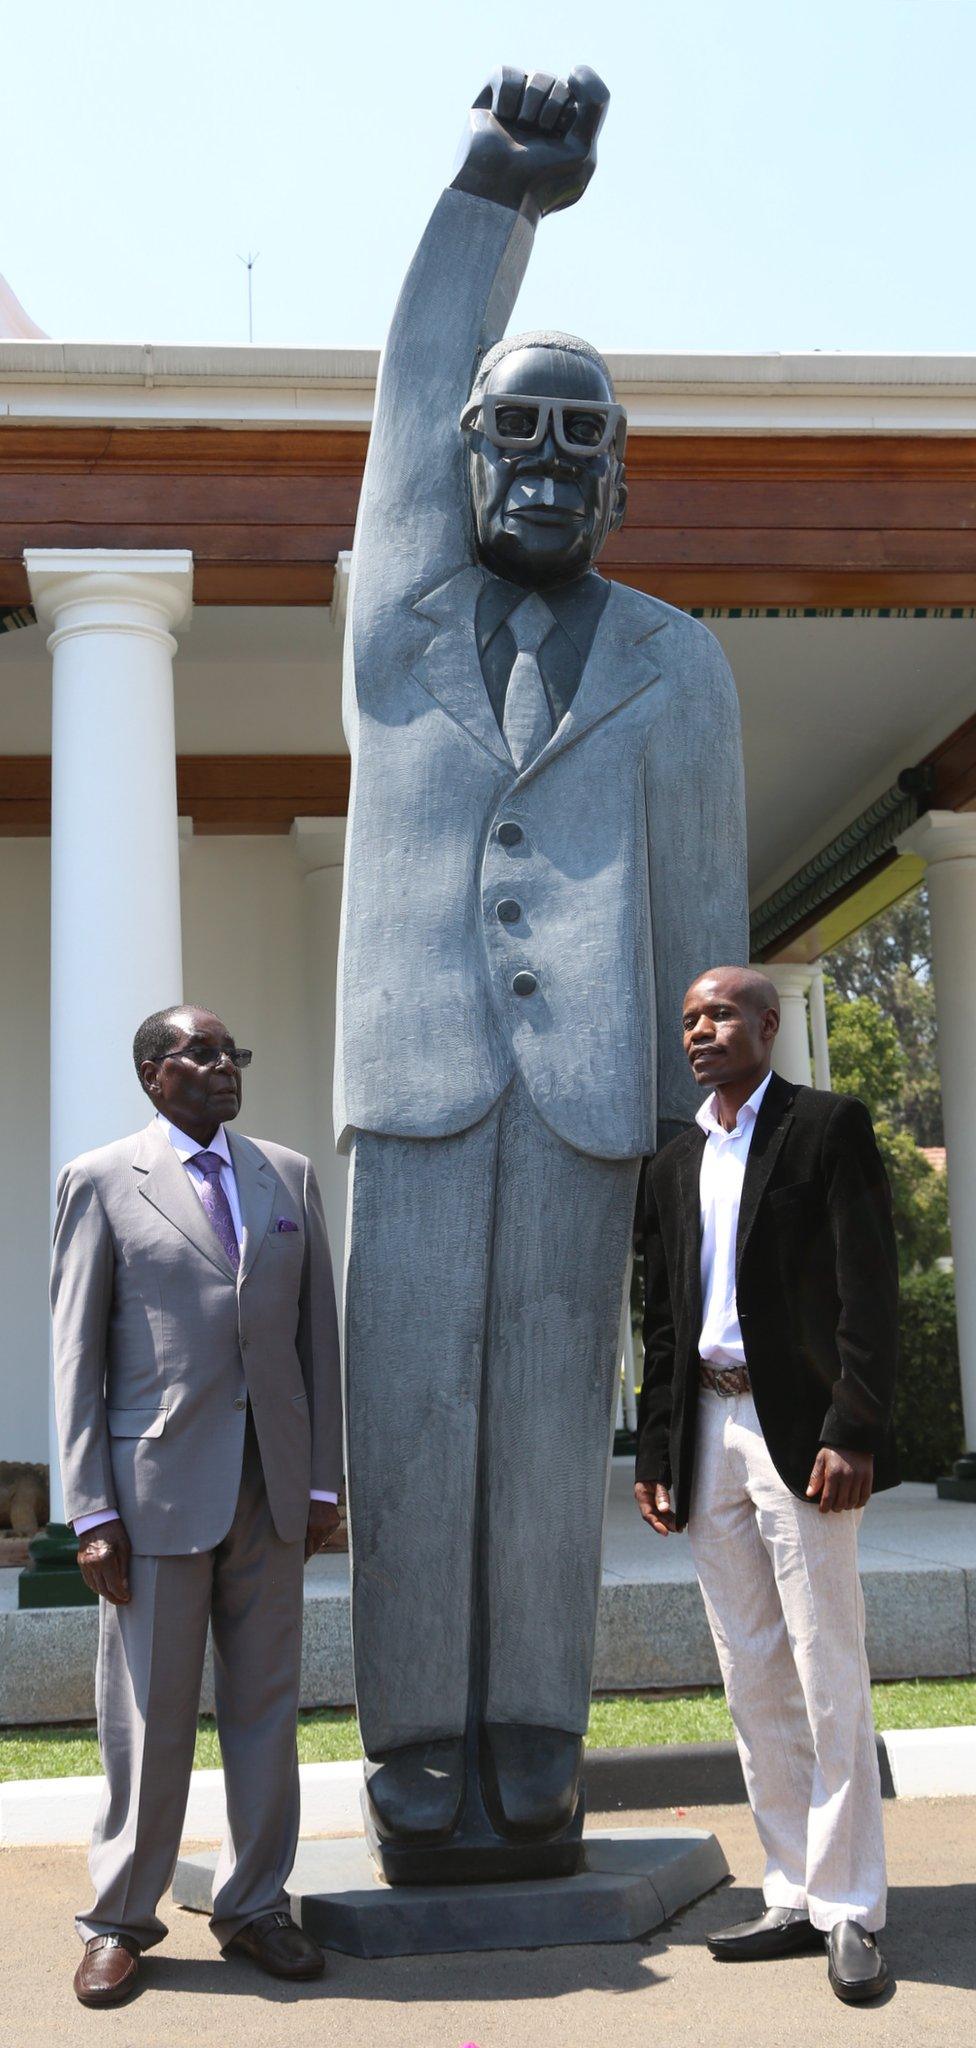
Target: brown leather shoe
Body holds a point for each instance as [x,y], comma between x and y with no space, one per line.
[108,1971]
[278,1946]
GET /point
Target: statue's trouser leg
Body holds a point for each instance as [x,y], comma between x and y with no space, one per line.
[563,1226]
[416,1290]
[484,1280]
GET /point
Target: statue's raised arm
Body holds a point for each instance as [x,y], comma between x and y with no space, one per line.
[530,149]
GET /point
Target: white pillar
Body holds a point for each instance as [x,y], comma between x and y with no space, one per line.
[818,1029]
[946,841]
[791,1053]
[115,872]
[319,845]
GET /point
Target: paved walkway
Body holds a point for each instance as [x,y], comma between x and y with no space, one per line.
[666,1990]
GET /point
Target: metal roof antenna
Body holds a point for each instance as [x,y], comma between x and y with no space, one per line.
[249,261]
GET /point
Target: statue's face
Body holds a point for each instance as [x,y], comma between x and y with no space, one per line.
[543,513]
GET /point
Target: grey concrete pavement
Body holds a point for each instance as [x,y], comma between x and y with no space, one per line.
[664,1990]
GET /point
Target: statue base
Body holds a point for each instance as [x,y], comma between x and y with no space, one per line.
[475,1854]
[629,1882]
[962,1485]
[52,1578]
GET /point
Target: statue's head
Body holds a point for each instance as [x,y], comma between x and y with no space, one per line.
[545,457]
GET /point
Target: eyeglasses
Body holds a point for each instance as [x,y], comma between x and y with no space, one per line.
[211,1055]
[513,421]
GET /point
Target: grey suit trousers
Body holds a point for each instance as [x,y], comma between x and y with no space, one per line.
[483,1303]
[149,1671]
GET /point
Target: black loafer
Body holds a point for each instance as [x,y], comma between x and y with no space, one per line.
[855,1964]
[780,1931]
[277,1945]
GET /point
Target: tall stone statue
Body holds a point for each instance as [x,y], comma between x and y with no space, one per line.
[545,847]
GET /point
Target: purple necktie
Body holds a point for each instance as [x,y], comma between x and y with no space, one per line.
[216,1204]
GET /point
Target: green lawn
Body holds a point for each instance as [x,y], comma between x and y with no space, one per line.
[627,1721]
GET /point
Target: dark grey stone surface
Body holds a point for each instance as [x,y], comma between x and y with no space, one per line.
[631,1881]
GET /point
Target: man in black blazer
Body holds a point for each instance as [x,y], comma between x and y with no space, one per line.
[770,1339]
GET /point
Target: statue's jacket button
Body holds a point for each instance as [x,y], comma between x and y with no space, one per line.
[508,910]
[525,984]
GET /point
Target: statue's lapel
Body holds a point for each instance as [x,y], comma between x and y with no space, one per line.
[620,666]
[449,666]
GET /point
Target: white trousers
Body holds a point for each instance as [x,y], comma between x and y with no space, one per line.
[783,1598]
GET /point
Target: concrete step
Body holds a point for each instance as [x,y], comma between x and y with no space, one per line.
[918,1568]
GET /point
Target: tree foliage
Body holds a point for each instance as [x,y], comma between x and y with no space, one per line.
[866,1058]
[890,963]
[869,1058]
[928,1398]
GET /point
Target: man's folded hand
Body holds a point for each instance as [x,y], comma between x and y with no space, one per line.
[323,1518]
[103,1561]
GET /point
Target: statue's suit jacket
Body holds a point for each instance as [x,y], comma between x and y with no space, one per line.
[159,1345]
[630,869]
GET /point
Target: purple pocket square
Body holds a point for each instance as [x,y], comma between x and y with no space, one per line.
[285,1223]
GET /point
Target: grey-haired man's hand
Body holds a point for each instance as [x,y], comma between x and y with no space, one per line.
[103,1561]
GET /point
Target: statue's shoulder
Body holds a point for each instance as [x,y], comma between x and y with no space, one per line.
[686,646]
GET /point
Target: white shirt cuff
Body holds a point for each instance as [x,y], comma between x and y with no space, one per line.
[84,1522]
[333,1497]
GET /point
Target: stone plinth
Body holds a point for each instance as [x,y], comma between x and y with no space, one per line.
[631,1880]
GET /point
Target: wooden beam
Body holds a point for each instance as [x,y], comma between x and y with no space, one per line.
[811,521]
[247,793]
[953,766]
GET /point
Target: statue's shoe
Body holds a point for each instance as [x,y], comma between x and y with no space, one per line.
[530,1777]
[416,1793]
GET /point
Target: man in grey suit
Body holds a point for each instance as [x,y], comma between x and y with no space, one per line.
[196,1365]
[545,843]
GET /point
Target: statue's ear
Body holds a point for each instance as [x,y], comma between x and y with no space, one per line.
[619,501]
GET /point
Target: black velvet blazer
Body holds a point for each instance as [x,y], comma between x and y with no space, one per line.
[816,1289]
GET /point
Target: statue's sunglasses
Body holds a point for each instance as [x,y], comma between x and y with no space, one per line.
[518,422]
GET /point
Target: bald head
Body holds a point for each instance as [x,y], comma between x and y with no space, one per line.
[745,985]
[730,1018]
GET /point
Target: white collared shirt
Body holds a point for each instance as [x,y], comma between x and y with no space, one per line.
[720,1182]
[186,1150]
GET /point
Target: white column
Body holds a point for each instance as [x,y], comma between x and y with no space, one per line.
[791,1053]
[115,871]
[946,841]
[818,1029]
[319,845]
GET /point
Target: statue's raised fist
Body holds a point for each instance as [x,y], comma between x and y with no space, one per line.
[531,139]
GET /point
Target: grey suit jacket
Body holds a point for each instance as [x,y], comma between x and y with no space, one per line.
[158,1345]
[630,868]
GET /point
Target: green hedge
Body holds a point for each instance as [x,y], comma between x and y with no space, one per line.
[928,1400]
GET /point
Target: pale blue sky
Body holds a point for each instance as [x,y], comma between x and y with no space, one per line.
[771,176]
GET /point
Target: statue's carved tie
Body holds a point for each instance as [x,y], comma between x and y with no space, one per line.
[527,719]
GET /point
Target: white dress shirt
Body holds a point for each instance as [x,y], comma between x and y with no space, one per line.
[723,1170]
[186,1150]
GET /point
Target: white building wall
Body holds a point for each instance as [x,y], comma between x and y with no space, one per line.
[244,946]
[243,958]
[25,881]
